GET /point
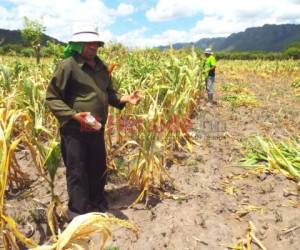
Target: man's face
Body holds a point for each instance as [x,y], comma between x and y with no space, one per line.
[90,50]
[207,55]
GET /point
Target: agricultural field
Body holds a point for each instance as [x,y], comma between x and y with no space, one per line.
[184,175]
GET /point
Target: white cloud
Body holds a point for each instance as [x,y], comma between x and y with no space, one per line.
[222,18]
[131,38]
[3,13]
[224,10]
[172,9]
[60,16]
[215,17]
[137,38]
[125,9]
[294,1]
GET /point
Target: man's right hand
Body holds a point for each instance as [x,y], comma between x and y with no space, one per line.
[81,117]
[85,124]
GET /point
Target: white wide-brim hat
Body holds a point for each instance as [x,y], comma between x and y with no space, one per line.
[85,33]
[208,51]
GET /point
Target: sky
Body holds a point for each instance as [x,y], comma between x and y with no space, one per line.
[141,23]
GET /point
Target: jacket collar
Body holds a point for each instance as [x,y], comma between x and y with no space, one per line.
[82,62]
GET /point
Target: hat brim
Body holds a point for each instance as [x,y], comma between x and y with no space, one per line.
[86,37]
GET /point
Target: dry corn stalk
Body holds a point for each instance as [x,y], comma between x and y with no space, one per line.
[245,244]
[8,227]
[281,156]
[79,233]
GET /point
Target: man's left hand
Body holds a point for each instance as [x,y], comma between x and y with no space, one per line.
[134,98]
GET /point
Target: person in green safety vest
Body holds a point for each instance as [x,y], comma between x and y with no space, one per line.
[209,67]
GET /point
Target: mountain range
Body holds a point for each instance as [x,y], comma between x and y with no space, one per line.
[269,37]
[14,37]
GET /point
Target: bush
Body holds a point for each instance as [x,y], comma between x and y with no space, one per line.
[251,55]
[293,52]
[11,48]
[52,49]
[28,52]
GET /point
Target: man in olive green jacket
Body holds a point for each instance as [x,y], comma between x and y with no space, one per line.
[79,94]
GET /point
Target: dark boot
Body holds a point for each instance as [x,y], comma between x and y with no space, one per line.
[210,98]
[71,215]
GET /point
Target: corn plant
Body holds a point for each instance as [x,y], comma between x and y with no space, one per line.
[171,84]
[283,156]
[296,83]
[8,227]
[161,118]
[236,95]
[5,78]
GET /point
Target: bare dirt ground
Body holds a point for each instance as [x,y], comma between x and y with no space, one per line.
[221,198]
